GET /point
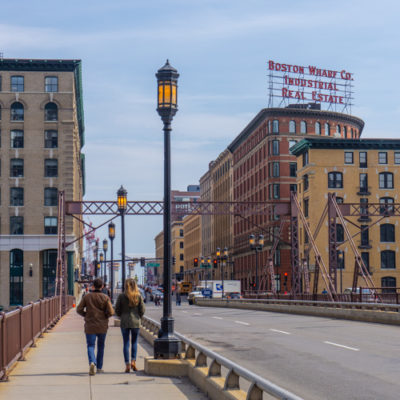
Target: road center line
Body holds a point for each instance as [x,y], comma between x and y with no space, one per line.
[217,318]
[242,323]
[343,346]
[278,331]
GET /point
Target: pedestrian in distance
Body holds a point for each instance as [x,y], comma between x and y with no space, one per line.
[130,308]
[178,296]
[96,308]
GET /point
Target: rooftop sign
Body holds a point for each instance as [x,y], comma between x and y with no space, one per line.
[310,84]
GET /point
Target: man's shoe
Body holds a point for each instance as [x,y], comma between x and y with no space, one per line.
[92,370]
[133,365]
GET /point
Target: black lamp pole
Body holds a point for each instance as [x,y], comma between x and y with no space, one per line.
[256,247]
[105,248]
[225,258]
[101,265]
[167,346]
[122,204]
[95,254]
[111,236]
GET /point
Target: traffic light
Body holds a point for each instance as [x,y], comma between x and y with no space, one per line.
[142,262]
[195,262]
[285,276]
[209,262]
[215,262]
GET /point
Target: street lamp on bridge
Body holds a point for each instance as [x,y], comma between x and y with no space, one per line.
[167,345]
[111,236]
[257,246]
[95,255]
[122,205]
[105,248]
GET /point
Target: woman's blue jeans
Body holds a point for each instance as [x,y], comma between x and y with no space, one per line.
[91,343]
[133,333]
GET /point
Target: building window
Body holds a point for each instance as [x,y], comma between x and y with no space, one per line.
[16,168]
[17,111]
[386,208]
[364,235]
[364,208]
[51,84]
[50,225]
[385,180]
[275,169]
[338,131]
[181,245]
[305,158]
[16,277]
[50,196]
[16,225]
[277,257]
[181,257]
[305,207]
[388,259]
[387,233]
[339,233]
[293,187]
[339,200]
[365,259]
[305,182]
[363,183]
[17,139]
[276,190]
[292,126]
[335,180]
[397,157]
[382,157]
[275,147]
[317,128]
[181,232]
[348,157]
[292,169]
[49,272]
[291,144]
[303,127]
[388,284]
[345,132]
[327,129]
[51,112]
[275,126]
[17,83]
[50,168]
[50,139]
[363,159]
[16,196]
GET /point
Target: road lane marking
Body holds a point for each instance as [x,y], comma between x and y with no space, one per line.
[278,331]
[242,323]
[343,346]
[217,318]
[197,314]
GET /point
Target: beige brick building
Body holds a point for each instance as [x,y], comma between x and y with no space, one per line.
[192,230]
[41,125]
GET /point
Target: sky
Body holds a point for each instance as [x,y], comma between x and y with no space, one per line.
[221,49]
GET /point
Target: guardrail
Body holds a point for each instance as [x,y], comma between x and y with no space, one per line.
[199,353]
[21,327]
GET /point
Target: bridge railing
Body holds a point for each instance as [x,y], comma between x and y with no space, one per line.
[21,327]
[204,357]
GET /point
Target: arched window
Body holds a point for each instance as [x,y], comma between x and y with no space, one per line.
[352,133]
[17,111]
[388,284]
[388,259]
[387,232]
[339,233]
[335,180]
[386,180]
[269,127]
[16,277]
[327,129]
[49,272]
[345,132]
[305,182]
[317,128]
[275,126]
[51,112]
[292,126]
[303,127]
[338,130]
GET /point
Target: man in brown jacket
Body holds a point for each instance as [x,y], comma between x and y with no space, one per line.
[96,308]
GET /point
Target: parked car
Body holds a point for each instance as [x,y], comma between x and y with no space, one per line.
[366,294]
[194,295]
[233,296]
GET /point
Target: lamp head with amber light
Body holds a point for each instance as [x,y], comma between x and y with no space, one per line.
[121,199]
[105,245]
[167,87]
[111,230]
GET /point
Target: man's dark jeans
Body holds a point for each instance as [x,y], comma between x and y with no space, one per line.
[91,343]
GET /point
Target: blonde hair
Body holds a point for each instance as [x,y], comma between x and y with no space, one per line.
[132,292]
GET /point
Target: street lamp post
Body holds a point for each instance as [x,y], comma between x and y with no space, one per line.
[257,247]
[105,248]
[167,345]
[122,204]
[111,236]
[225,259]
[101,265]
[95,253]
[218,254]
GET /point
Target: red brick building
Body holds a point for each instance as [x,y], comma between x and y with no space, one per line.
[265,170]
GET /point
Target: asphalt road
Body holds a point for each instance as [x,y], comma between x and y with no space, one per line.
[315,358]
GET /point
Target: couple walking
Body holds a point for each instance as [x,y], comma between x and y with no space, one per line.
[96,308]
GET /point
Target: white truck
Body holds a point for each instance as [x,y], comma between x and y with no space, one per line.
[217,288]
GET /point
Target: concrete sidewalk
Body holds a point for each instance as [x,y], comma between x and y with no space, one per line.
[58,369]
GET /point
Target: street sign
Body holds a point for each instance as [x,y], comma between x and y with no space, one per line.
[205,265]
[154,265]
[218,287]
[207,293]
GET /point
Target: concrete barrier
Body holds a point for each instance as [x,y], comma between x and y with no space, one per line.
[366,312]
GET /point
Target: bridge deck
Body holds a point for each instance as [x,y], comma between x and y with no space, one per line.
[58,369]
